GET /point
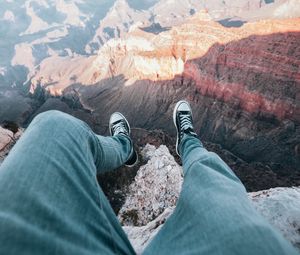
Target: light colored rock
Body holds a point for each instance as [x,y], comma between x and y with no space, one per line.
[6,137]
[140,237]
[155,191]
[156,187]
[281,207]
[7,141]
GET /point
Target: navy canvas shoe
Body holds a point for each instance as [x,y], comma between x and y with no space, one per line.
[183,120]
[118,125]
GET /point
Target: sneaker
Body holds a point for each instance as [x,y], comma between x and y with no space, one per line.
[183,120]
[118,125]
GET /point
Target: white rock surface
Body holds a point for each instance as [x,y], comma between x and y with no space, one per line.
[140,237]
[281,207]
[156,188]
[6,137]
[7,140]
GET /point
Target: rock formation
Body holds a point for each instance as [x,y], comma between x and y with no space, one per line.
[154,188]
[278,206]
[243,84]
[241,77]
[7,139]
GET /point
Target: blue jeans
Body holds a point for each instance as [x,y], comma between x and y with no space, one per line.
[50,201]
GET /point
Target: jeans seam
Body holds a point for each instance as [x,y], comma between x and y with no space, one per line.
[98,189]
[131,144]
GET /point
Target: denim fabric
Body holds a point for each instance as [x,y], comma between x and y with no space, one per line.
[213,214]
[50,201]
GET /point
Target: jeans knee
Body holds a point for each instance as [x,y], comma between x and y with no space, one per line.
[53,119]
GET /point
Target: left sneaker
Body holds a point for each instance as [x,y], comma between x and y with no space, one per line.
[183,121]
[118,125]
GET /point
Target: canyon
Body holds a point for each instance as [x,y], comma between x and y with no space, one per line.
[241,80]
[236,62]
[243,84]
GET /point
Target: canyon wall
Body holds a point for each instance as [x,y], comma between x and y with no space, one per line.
[243,84]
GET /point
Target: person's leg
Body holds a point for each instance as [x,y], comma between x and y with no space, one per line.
[50,201]
[213,214]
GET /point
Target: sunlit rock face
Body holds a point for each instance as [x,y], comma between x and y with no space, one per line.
[67,36]
[42,29]
[243,83]
[203,51]
[239,71]
[142,56]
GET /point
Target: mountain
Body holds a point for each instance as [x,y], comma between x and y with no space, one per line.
[236,61]
[37,29]
[243,83]
[239,70]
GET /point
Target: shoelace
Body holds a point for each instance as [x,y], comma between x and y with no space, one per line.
[120,128]
[185,123]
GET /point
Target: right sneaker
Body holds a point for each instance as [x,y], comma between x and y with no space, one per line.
[183,120]
[118,125]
